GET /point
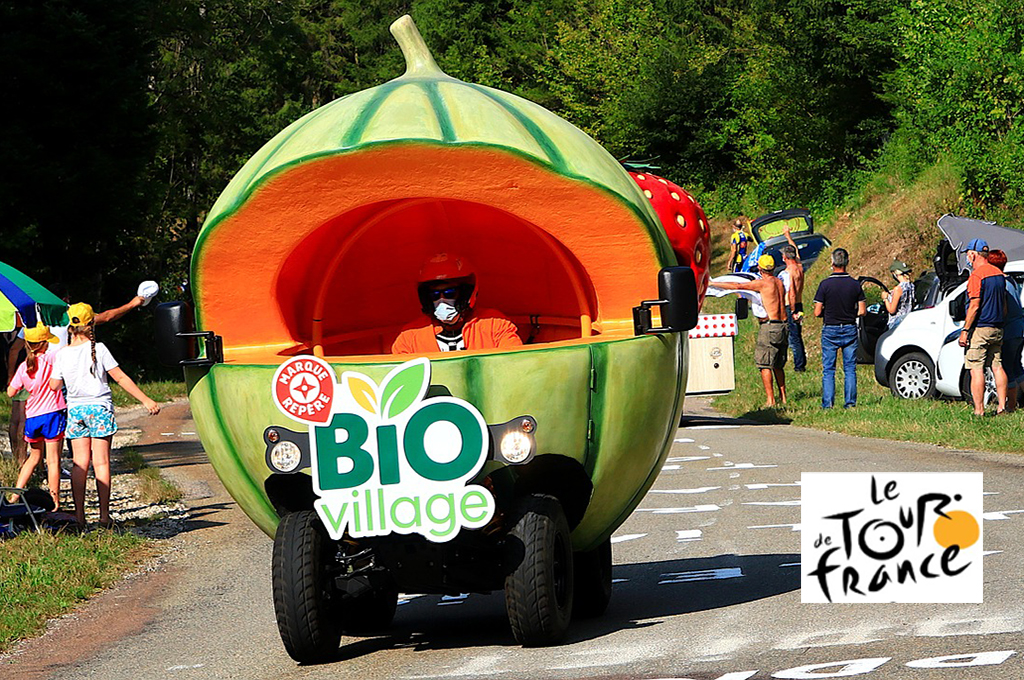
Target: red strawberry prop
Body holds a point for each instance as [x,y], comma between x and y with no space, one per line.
[684,223]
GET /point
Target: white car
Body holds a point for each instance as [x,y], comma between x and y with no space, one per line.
[920,357]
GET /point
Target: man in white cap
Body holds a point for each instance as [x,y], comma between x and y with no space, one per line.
[982,334]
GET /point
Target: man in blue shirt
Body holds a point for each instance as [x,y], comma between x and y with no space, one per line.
[839,301]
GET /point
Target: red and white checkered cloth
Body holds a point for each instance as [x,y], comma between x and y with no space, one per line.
[714,326]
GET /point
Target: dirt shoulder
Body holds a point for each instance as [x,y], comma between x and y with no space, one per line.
[167,441]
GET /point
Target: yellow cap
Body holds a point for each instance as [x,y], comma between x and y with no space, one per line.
[40,333]
[766,262]
[80,314]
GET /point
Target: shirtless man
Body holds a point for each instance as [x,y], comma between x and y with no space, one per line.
[793,279]
[770,351]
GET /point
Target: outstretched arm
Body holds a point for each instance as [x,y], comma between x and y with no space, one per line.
[117,312]
[131,388]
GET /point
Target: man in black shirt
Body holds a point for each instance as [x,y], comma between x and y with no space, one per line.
[839,301]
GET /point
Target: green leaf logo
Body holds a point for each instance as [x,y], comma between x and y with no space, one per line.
[404,386]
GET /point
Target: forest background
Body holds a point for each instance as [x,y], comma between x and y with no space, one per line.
[124,119]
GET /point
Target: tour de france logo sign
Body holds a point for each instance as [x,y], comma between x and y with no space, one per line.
[891,537]
[384,458]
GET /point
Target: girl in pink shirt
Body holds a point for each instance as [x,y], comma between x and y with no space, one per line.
[45,411]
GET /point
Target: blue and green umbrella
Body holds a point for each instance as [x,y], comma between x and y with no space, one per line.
[19,294]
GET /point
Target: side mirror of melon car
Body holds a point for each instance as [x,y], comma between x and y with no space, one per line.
[677,290]
[176,338]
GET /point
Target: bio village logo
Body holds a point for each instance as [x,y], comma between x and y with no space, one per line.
[384,459]
[897,537]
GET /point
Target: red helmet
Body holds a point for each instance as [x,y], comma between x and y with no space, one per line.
[447,267]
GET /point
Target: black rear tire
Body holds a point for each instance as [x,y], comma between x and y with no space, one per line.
[310,630]
[592,571]
[539,592]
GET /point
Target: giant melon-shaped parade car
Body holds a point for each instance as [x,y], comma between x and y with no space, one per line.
[451,472]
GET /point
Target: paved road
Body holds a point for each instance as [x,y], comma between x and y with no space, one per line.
[706,586]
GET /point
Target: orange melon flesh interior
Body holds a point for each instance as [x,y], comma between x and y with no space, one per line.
[342,238]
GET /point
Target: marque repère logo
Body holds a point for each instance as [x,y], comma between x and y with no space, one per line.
[896,537]
[385,459]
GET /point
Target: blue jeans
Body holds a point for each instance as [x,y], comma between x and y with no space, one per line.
[796,342]
[833,339]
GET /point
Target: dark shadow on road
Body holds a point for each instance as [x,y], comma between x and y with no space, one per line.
[642,594]
[171,454]
[768,416]
[759,417]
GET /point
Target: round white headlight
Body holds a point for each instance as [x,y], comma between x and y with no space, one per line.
[515,446]
[285,456]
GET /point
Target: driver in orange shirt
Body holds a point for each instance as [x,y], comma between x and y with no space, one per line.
[447,291]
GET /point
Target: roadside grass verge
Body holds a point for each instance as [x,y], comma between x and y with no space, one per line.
[159,391]
[152,487]
[44,575]
[878,414]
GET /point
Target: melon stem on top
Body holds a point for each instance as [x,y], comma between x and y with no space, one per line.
[418,60]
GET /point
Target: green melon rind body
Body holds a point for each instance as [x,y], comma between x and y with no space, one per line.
[630,389]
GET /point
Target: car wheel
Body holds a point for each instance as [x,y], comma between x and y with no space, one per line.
[302,591]
[539,592]
[912,376]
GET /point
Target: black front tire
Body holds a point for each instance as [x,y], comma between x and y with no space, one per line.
[912,376]
[593,576]
[539,592]
[310,630]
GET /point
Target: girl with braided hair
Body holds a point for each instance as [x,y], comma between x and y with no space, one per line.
[82,367]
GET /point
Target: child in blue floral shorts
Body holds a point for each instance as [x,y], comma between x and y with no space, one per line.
[82,367]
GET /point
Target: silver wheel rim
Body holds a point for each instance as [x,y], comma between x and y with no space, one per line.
[990,387]
[913,379]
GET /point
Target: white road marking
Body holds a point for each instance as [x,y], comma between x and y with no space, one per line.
[686,459]
[186,434]
[717,455]
[754,487]
[626,537]
[620,580]
[990,552]
[186,668]
[789,564]
[989,493]
[1001,514]
[741,466]
[669,468]
[703,448]
[700,575]
[794,527]
[686,535]
[702,489]
[167,434]
[772,503]
[684,440]
[711,427]
[677,511]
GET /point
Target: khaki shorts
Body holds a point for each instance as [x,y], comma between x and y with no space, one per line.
[984,348]
[772,343]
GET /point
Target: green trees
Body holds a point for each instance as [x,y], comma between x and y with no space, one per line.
[125,119]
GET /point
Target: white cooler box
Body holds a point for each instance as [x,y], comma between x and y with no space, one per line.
[711,368]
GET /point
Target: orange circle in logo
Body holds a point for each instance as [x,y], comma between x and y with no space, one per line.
[959,529]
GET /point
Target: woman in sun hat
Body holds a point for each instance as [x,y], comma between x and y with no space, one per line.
[82,367]
[901,300]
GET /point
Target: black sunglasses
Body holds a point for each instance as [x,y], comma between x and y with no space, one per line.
[449,293]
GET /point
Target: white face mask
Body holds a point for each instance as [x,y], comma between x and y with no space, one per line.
[444,311]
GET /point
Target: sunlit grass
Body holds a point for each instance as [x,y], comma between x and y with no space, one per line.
[878,413]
